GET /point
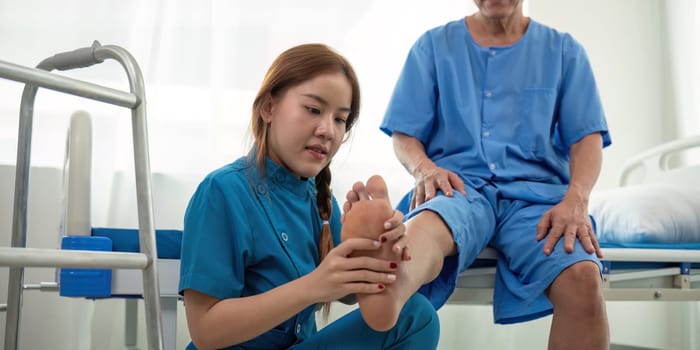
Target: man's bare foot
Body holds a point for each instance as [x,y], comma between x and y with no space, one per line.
[366,219]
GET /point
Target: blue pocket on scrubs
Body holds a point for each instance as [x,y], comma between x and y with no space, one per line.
[536,116]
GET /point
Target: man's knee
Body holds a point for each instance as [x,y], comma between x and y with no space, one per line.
[579,284]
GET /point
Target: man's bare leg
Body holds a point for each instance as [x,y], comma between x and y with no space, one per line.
[429,241]
[577,296]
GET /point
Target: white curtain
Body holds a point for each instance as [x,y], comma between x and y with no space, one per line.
[202,62]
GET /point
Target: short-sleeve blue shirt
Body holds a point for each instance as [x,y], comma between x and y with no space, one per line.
[505,115]
[246,233]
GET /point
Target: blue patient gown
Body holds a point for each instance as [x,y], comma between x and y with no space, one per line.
[245,234]
[503,119]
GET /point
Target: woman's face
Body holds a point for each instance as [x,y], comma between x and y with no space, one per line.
[307,123]
[496,9]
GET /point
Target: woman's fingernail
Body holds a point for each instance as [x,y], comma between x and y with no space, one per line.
[381,286]
[383,239]
[392,265]
[387,225]
[391,277]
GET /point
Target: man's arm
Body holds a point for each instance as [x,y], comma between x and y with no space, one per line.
[429,177]
[410,151]
[586,158]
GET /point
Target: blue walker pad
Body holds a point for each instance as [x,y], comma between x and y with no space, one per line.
[85,282]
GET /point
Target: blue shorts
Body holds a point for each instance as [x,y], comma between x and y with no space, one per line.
[523,271]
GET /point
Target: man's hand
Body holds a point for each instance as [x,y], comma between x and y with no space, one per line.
[429,179]
[568,219]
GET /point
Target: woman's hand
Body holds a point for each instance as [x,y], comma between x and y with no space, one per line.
[339,274]
[396,233]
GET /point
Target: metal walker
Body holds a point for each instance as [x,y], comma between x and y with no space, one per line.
[18,256]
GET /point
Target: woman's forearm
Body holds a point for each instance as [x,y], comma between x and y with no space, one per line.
[215,323]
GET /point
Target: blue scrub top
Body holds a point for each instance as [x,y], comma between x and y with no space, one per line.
[500,115]
[246,233]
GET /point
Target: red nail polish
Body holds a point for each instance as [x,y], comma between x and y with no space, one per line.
[392,265]
[383,239]
[381,286]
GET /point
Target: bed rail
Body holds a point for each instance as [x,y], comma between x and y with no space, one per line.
[656,161]
[18,255]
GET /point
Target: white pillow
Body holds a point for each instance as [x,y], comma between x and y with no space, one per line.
[648,213]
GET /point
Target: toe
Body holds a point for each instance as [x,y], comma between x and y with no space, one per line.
[376,187]
[361,191]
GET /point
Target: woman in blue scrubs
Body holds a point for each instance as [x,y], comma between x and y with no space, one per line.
[261,247]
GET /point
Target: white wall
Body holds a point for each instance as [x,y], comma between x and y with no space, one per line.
[682,53]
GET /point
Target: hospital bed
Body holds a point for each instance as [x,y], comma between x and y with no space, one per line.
[18,256]
[648,229]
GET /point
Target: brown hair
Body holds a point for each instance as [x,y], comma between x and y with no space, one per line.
[293,67]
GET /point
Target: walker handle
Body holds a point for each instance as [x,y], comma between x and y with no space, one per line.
[78,58]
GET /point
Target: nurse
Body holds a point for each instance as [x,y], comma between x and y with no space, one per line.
[498,119]
[261,247]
